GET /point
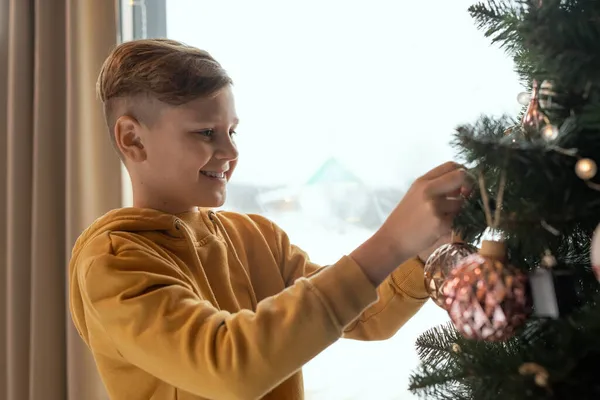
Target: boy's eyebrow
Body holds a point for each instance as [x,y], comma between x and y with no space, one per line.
[199,119]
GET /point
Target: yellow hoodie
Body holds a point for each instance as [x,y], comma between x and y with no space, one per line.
[209,305]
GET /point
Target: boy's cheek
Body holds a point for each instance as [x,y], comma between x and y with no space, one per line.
[232,166]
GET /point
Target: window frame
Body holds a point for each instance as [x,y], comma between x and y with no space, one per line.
[139,19]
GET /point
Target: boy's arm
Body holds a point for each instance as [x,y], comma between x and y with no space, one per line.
[158,323]
[400,295]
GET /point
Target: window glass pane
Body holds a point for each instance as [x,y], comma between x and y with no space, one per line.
[343,104]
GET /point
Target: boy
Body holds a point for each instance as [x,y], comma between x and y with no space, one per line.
[176,301]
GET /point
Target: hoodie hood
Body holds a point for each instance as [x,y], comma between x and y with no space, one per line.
[140,220]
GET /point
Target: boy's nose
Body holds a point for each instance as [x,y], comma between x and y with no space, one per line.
[227,151]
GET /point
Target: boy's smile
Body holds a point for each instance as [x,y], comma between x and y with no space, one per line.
[220,176]
[185,158]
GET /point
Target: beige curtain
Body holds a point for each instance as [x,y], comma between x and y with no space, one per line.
[57,174]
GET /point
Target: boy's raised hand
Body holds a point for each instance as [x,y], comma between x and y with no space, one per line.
[423,216]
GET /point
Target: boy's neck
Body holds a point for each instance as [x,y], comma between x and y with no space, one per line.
[164,207]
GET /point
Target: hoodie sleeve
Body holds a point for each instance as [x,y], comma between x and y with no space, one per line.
[400,296]
[158,322]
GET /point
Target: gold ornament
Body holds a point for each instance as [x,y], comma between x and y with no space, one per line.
[548,260]
[456,348]
[550,132]
[586,168]
[540,373]
[440,263]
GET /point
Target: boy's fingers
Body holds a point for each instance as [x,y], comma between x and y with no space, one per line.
[448,183]
[466,191]
[468,185]
[455,194]
[441,170]
[448,205]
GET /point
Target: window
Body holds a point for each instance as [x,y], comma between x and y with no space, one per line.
[360,97]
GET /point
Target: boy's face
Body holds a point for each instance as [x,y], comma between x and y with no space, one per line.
[190,155]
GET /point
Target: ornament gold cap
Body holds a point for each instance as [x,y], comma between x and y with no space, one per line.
[455,238]
[493,249]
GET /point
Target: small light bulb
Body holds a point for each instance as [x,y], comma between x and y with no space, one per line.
[524,98]
[586,168]
[550,132]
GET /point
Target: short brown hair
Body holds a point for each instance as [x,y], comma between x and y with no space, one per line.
[156,69]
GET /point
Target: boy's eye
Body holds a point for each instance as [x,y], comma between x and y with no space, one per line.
[211,132]
[206,132]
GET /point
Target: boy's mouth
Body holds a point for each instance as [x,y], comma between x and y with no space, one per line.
[214,175]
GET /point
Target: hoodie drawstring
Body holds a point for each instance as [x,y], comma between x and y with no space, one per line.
[231,250]
[204,284]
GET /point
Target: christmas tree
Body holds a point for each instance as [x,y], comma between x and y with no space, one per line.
[538,189]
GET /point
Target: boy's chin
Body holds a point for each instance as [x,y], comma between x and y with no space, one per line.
[216,202]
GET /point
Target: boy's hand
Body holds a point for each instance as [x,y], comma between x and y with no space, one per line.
[423,216]
[424,255]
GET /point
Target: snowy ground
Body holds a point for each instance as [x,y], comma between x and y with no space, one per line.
[349,369]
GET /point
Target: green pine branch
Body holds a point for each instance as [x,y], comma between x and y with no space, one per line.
[499,21]
[542,191]
[485,370]
[545,206]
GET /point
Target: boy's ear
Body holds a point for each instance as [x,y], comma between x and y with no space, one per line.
[128,138]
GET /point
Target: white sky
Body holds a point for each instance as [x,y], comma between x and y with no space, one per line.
[379,84]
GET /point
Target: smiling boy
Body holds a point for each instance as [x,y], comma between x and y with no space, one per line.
[176,301]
